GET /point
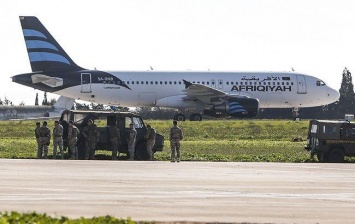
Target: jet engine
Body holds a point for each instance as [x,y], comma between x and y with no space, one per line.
[235,107]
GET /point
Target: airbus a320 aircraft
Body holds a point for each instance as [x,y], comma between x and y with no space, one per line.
[228,94]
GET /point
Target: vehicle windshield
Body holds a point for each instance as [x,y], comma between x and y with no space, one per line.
[137,122]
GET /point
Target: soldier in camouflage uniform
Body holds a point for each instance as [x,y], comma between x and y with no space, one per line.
[38,126]
[150,137]
[131,141]
[73,134]
[58,139]
[44,140]
[115,139]
[175,137]
[91,134]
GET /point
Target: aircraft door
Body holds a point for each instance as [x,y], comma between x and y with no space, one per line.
[85,82]
[301,84]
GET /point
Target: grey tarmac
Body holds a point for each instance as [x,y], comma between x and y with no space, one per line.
[186,191]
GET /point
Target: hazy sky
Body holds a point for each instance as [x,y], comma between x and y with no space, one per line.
[315,37]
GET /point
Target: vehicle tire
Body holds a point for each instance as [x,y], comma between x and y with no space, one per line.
[141,152]
[196,117]
[336,156]
[322,157]
[179,117]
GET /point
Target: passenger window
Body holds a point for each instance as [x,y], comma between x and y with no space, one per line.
[329,130]
[137,122]
[314,128]
[128,120]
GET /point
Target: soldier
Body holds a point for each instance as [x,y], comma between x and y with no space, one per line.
[115,139]
[44,140]
[131,141]
[73,133]
[57,139]
[150,137]
[91,134]
[38,126]
[175,137]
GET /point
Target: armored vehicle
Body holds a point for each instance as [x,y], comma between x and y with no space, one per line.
[331,140]
[107,118]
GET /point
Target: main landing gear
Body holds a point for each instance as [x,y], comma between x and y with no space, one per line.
[193,117]
[296,114]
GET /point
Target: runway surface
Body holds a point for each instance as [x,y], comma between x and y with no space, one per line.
[186,191]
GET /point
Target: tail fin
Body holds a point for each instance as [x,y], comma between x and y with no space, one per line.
[44,52]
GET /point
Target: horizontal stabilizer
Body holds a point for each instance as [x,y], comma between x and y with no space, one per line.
[47,80]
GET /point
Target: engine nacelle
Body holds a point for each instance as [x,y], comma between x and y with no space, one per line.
[235,107]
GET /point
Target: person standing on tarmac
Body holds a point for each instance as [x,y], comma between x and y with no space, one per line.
[91,134]
[131,141]
[150,137]
[73,134]
[44,140]
[38,126]
[115,139]
[176,136]
[57,139]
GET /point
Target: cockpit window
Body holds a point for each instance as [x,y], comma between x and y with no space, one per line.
[320,83]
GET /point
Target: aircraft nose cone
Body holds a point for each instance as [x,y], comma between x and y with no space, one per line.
[334,95]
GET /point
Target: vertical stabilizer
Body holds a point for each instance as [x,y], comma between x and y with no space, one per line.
[44,52]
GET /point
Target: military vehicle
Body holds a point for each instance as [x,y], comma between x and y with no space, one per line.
[331,141]
[107,118]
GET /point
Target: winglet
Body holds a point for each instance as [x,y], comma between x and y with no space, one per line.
[187,83]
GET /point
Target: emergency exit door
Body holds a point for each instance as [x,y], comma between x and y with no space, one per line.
[85,82]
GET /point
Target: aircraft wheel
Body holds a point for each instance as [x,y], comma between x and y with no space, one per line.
[196,117]
[141,152]
[179,117]
[336,156]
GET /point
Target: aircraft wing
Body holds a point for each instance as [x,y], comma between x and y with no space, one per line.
[205,94]
[195,90]
[47,80]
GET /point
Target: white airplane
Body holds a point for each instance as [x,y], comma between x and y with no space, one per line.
[228,94]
